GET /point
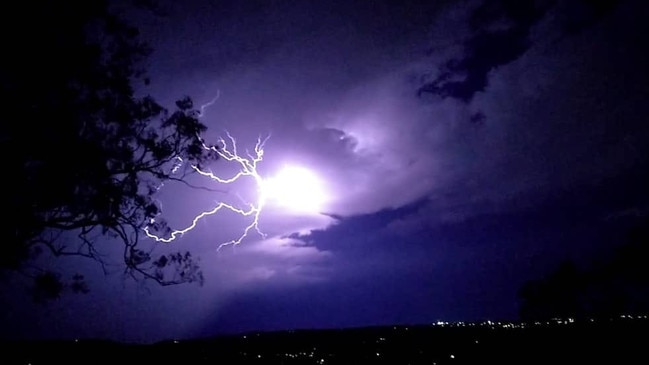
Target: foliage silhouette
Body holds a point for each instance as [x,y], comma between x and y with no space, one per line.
[84,155]
[619,285]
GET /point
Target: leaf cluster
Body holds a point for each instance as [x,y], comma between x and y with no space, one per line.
[84,154]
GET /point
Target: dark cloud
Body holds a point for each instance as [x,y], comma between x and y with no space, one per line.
[501,33]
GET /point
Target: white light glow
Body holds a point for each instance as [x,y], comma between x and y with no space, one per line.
[295,188]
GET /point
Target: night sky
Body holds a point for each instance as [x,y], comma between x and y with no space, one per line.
[450,166]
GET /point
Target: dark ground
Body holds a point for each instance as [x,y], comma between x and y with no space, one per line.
[617,341]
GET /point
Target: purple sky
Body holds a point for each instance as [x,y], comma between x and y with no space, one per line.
[431,216]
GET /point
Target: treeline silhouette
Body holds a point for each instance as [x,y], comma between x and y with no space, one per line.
[614,286]
[578,342]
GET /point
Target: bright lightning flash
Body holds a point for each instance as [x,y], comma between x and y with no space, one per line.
[248,167]
[296,189]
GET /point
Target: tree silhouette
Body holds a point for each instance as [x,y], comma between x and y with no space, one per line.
[83,155]
[618,285]
[555,296]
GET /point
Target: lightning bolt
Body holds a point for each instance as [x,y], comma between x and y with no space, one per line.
[248,168]
[209,104]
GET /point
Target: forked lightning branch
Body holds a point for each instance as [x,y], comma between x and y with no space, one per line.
[296,189]
[248,168]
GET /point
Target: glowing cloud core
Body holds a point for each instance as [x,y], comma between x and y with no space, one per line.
[295,188]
